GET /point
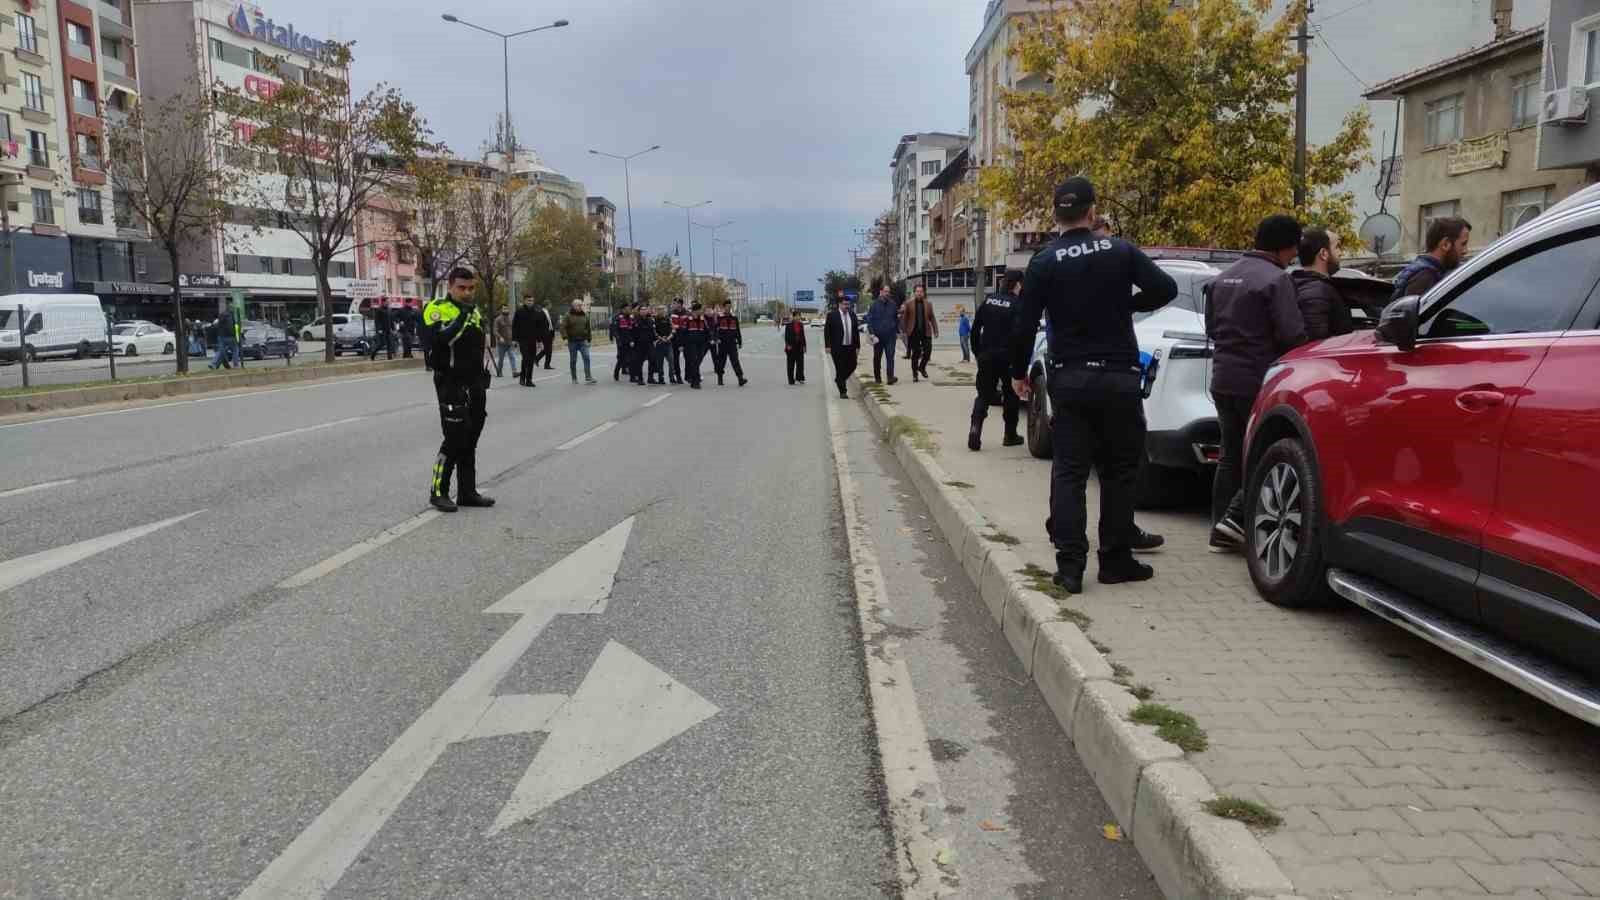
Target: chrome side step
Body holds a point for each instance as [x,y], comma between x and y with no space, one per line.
[1571,692]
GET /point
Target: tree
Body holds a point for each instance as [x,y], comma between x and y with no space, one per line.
[161,161]
[666,279]
[608,293]
[436,230]
[557,248]
[883,245]
[710,292]
[835,281]
[333,154]
[1181,115]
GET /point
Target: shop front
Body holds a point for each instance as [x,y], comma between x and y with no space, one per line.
[42,265]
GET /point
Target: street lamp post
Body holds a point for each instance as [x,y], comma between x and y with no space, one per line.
[509,152]
[713,230]
[688,229]
[627,188]
[733,265]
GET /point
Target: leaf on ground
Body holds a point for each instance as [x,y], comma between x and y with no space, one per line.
[905,531]
[944,857]
[1111,832]
[988,825]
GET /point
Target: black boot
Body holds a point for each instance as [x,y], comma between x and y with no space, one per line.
[442,503]
[1012,439]
[975,436]
[467,487]
[1123,568]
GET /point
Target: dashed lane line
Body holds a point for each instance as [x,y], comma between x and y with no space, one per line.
[17,492]
[23,569]
[351,554]
[646,406]
[294,431]
[597,430]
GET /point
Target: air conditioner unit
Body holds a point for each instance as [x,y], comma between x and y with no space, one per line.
[1566,106]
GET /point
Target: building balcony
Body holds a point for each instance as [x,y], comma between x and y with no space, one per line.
[120,80]
[91,216]
[113,66]
[80,51]
[85,106]
[114,26]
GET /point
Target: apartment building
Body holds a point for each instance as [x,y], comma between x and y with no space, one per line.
[603,216]
[991,69]
[918,159]
[1569,136]
[383,254]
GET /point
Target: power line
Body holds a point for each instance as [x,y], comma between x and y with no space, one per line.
[1351,8]
[1338,58]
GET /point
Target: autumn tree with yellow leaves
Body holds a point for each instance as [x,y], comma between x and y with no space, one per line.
[1181,114]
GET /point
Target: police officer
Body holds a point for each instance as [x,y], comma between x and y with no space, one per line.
[644,336]
[696,335]
[991,343]
[660,347]
[679,316]
[1085,283]
[729,339]
[455,351]
[622,340]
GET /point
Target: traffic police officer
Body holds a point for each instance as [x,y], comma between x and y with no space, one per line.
[1085,284]
[991,343]
[455,352]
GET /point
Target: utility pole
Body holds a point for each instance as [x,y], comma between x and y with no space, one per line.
[1300,91]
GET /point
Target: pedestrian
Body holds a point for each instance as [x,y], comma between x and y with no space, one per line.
[841,335]
[1085,284]
[696,337]
[460,380]
[729,339]
[883,325]
[622,339]
[1252,318]
[678,317]
[380,330]
[794,349]
[964,332]
[661,347]
[524,332]
[408,327]
[991,342]
[227,341]
[1447,245]
[576,329]
[505,345]
[644,337]
[544,334]
[1322,307]
[920,326]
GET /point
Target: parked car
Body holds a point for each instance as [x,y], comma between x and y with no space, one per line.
[350,332]
[1443,470]
[261,340]
[58,325]
[142,338]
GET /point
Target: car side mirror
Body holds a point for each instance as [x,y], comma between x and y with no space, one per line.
[1397,324]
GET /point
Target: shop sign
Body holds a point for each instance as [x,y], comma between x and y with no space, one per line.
[262,28]
[203,281]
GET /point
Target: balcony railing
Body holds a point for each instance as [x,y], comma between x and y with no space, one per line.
[80,51]
[113,65]
[91,162]
[84,106]
[39,158]
[91,216]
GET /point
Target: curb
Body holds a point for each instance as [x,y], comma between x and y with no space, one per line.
[70,398]
[1153,791]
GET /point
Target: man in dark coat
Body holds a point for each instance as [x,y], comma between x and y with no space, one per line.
[1324,309]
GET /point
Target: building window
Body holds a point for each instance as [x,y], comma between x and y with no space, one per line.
[32,91]
[1591,66]
[89,156]
[924,221]
[83,98]
[79,41]
[110,48]
[1525,100]
[122,208]
[230,53]
[44,208]
[26,39]
[38,149]
[1443,121]
[89,207]
[930,167]
[1519,207]
[1436,211]
[5,127]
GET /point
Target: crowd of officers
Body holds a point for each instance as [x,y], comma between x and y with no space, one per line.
[661,345]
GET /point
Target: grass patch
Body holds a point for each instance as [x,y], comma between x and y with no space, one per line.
[911,430]
[1000,537]
[1104,650]
[1043,581]
[1075,616]
[1121,673]
[1250,813]
[20,391]
[1171,726]
[1142,692]
[959,484]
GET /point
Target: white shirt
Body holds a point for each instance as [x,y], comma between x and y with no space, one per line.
[847,328]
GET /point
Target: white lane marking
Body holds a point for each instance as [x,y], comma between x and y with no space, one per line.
[26,568]
[516,714]
[315,861]
[351,554]
[17,492]
[657,400]
[294,431]
[117,412]
[915,794]
[598,429]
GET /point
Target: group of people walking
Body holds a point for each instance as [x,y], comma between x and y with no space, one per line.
[528,333]
[661,345]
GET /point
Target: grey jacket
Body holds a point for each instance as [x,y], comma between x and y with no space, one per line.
[1252,318]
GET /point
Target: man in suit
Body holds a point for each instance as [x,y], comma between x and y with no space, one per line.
[841,335]
[794,349]
[525,331]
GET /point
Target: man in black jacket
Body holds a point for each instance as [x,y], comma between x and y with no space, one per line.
[544,333]
[696,337]
[841,335]
[1253,317]
[991,344]
[660,346]
[455,350]
[644,337]
[524,330]
[729,339]
[1086,285]
[794,349]
[1324,309]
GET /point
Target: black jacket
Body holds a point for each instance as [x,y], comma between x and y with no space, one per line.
[1325,311]
[991,327]
[1085,284]
[833,331]
[1252,318]
[794,337]
[728,331]
[522,324]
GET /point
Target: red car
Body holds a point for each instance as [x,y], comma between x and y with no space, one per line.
[1444,471]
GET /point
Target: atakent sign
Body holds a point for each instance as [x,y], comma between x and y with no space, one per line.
[253,23]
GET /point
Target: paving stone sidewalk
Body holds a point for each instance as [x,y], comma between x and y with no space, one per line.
[1399,771]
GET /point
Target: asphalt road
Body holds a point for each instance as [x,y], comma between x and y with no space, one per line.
[288,685]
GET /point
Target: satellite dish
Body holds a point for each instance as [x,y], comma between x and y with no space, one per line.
[1381,233]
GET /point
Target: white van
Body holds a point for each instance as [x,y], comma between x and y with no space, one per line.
[58,325]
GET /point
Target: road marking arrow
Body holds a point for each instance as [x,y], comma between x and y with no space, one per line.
[26,568]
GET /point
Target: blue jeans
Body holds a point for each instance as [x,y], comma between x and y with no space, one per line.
[966,348]
[883,356]
[574,349]
[506,349]
[227,349]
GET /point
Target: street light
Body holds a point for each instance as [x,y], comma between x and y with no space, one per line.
[713,230]
[628,189]
[733,261]
[511,138]
[688,229]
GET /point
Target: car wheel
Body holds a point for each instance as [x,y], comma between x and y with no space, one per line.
[131,351]
[1162,487]
[33,355]
[169,348]
[1040,444]
[1283,530]
[83,350]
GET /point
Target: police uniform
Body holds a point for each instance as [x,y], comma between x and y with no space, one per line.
[991,343]
[696,335]
[622,328]
[455,354]
[728,340]
[659,349]
[644,337]
[1085,285]
[677,319]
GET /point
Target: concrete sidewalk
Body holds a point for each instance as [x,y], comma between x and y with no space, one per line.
[1397,770]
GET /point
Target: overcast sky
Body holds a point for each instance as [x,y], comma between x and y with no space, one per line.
[784,114]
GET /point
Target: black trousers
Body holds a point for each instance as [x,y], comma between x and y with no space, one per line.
[921,350]
[525,375]
[883,357]
[405,341]
[795,361]
[844,365]
[1227,486]
[1097,426]
[547,346]
[677,361]
[694,353]
[994,386]
[637,360]
[726,356]
[458,454]
[624,350]
[658,362]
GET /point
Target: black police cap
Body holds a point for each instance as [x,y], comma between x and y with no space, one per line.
[1074,192]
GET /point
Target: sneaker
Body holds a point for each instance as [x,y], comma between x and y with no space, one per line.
[975,438]
[592,381]
[1071,583]
[476,499]
[1012,440]
[442,502]
[1120,570]
[1145,542]
[1221,543]
[1229,528]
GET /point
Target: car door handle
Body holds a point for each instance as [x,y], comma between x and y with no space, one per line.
[1478,401]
